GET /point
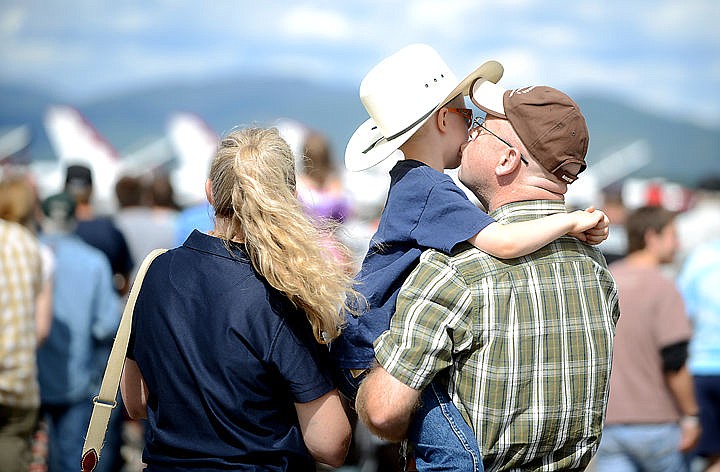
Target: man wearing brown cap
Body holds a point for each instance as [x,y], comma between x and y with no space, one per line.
[524,346]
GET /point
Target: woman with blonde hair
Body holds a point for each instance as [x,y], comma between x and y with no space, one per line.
[226,358]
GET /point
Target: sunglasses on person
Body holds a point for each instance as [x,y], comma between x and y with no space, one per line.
[466,113]
[479,123]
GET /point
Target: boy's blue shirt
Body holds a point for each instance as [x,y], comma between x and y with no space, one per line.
[424,209]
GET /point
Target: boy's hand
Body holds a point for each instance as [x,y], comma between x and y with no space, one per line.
[592,226]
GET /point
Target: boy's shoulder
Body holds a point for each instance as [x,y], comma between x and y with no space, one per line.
[417,177]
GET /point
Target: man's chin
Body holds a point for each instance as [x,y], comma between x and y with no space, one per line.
[459,175]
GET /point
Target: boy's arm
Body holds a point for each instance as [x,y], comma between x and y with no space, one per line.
[519,239]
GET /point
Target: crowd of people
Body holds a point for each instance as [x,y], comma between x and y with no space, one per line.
[294,326]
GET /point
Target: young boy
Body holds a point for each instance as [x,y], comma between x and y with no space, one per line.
[417,106]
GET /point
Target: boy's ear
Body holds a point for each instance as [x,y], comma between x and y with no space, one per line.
[441,118]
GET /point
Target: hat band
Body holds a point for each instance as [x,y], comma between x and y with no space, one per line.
[400,133]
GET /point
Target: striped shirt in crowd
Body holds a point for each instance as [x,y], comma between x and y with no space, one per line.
[525,344]
[20,280]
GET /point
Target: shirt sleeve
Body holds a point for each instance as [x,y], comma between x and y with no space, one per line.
[672,324]
[302,362]
[448,218]
[107,304]
[432,322]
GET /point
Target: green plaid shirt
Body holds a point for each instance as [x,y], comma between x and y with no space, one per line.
[524,344]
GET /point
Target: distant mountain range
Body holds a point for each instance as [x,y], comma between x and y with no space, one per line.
[679,151]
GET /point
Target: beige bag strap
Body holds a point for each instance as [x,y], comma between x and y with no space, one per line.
[104,402]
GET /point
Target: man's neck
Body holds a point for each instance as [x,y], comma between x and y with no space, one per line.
[512,194]
[642,258]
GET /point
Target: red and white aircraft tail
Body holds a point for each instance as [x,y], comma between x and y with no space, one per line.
[75,141]
[193,143]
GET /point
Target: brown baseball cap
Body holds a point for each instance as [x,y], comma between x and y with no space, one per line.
[547,121]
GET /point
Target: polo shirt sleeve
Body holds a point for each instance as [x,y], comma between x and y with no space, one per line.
[432,321]
[302,362]
[448,218]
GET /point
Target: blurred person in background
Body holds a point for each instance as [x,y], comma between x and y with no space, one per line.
[102,233]
[320,188]
[146,215]
[699,282]
[614,247]
[20,284]
[652,414]
[98,231]
[700,223]
[85,320]
[319,185]
[19,204]
[161,194]
[239,317]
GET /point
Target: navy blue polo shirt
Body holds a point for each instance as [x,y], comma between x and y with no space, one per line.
[225,357]
[424,209]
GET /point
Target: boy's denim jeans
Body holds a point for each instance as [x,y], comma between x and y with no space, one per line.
[439,435]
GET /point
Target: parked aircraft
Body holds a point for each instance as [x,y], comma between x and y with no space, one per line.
[14,144]
[185,151]
[193,143]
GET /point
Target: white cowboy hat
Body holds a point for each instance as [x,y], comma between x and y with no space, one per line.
[400,94]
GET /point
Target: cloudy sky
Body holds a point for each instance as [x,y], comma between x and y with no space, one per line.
[660,55]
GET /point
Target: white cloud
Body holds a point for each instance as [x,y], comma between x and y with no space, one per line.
[314,23]
[441,17]
[689,20]
[11,20]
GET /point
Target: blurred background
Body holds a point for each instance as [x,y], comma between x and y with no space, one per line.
[143,88]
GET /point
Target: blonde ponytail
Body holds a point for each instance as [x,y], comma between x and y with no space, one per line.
[253,185]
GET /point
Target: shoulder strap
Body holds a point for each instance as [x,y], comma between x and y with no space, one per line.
[104,402]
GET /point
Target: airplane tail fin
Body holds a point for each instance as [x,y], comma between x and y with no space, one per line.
[194,144]
[75,141]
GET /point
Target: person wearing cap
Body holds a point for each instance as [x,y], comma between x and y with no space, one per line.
[99,231]
[522,346]
[417,105]
[85,319]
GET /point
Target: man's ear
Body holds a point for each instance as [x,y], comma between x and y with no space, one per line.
[651,237]
[508,162]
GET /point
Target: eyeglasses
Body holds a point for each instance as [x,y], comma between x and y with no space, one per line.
[478,123]
[466,113]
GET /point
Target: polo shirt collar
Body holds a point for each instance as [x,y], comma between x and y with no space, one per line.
[203,242]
